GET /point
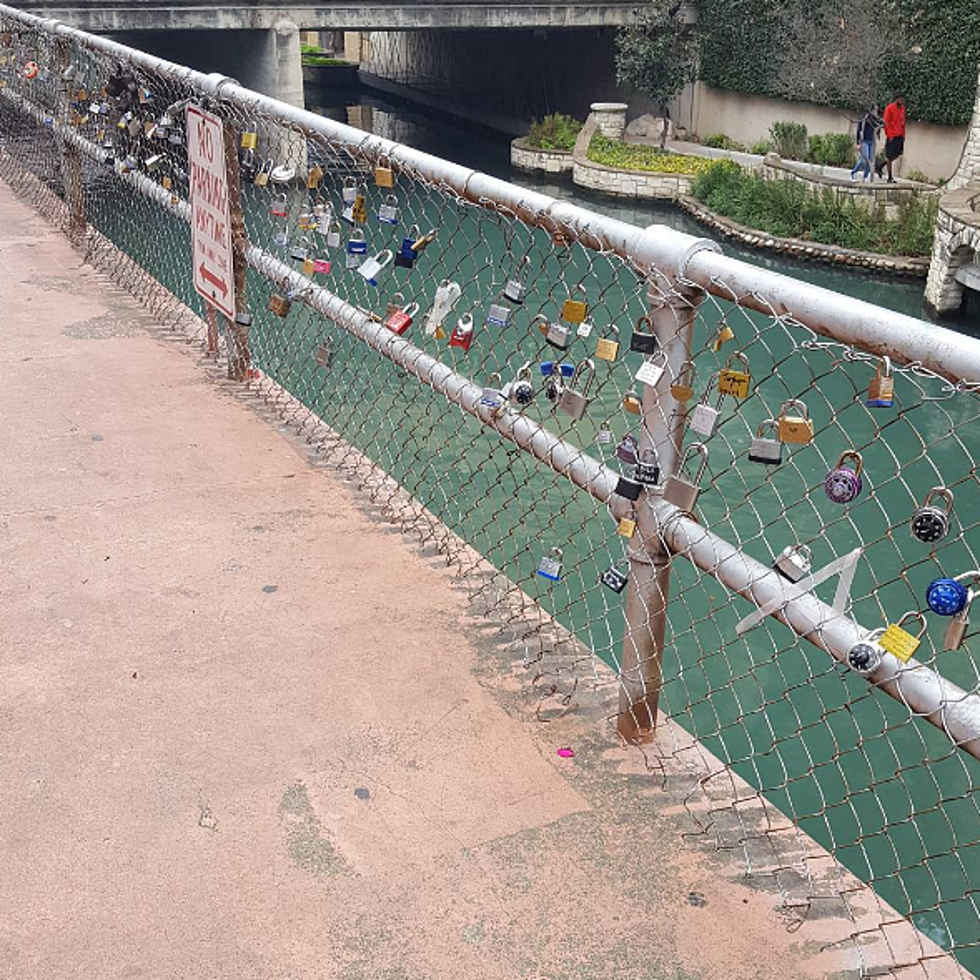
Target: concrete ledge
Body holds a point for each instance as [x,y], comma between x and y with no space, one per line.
[330,76]
[904,265]
[532,160]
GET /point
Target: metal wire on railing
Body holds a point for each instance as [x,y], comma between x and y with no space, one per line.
[563,392]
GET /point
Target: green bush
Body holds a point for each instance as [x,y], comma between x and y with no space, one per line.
[634,156]
[789,209]
[790,140]
[722,142]
[554,132]
[833,150]
[762,147]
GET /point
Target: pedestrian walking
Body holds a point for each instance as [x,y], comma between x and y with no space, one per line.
[894,133]
[867,129]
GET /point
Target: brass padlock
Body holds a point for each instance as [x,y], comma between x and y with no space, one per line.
[279,304]
[384,176]
[627,526]
[575,310]
[881,391]
[796,428]
[250,139]
[732,381]
[899,642]
[314,176]
[631,402]
[607,349]
[725,333]
[682,387]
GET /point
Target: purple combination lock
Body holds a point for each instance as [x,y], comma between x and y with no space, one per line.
[843,484]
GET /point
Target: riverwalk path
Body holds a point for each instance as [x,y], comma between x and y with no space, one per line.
[248,730]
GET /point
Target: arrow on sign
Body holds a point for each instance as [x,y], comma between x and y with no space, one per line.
[208,275]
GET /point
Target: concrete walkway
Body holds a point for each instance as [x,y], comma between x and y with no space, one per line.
[249,732]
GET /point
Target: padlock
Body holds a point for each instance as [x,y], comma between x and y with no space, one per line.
[262,177]
[632,403]
[795,428]
[422,243]
[462,335]
[604,436]
[356,249]
[400,320]
[725,333]
[683,493]
[843,484]
[628,449]
[522,387]
[69,73]
[313,177]
[763,449]
[575,398]
[279,304]
[248,166]
[614,579]
[370,268]
[30,69]
[348,193]
[929,522]
[574,311]
[899,642]
[704,418]
[388,212]
[682,387]
[384,176]
[648,468]
[516,290]
[322,215]
[732,381]
[628,487]
[947,596]
[322,266]
[446,297]
[299,250]
[166,182]
[558,336]
[493,401]
[958,625]
[279,208]
[324,355]
[652,369]
[406,255]
[334,233]
[643,340]
[281,237]
[585,329]
[881,391]
[359,207]
[498,315]
[864,657]
[550,566]
[794,562]
[309,265]
[250,139]
[306,221]
[626,526]
[243,318]
[606,348]
[396,303]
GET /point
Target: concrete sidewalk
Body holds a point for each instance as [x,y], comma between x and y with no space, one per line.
[248,732]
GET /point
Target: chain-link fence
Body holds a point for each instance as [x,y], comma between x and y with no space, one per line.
[563,392]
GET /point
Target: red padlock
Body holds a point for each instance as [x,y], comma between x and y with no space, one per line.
[401,320]
[30,69]
[321,265]
[462,335]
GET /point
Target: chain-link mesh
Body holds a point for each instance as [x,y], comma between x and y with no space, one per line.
[778,726]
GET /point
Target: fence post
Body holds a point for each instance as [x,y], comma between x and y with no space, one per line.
[673,311]
[71,157]
[239,352]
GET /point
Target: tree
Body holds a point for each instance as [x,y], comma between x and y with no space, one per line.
[835,52]
[657,56]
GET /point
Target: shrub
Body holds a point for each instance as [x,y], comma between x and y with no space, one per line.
[633,156]
[790,139]
[722,142]
[789,209]
[554,132]
[762,147]
[833,150]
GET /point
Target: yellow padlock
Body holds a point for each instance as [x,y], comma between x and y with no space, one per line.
[682,388]
[314,176]
[575,310]
[607,349]
[308,266]
[899,642]
[725,333]
[732,381]
[358,209]
[881,391]
[796,428]
[626,527]
[384,176]
[632,403]
[250,140]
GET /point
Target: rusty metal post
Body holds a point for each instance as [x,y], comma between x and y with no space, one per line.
[239,352]
[673,310]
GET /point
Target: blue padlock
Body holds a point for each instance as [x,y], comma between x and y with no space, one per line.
[548,369]
[406,255]
[946,596]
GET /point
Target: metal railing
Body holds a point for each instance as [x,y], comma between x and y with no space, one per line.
[874,758]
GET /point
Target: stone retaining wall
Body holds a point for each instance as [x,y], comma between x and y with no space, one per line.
[532,160]
[796,248]
[957,244]
[630,183]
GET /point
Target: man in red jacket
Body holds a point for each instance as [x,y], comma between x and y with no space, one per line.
[894,133]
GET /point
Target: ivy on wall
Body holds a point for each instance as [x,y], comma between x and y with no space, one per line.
[740,43]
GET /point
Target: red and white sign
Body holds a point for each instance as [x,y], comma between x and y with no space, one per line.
[214,267]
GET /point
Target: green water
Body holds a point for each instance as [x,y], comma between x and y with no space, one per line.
[886,792]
